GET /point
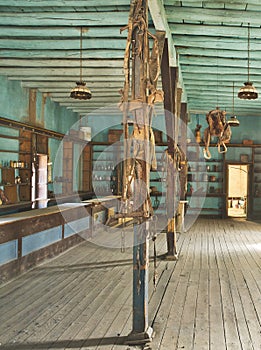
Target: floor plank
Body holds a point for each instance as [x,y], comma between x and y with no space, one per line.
[208,299]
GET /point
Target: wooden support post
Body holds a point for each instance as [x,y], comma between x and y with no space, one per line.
[32,106]
[139,156]
[141,331]
[139,41]
[169,83]
[183,147]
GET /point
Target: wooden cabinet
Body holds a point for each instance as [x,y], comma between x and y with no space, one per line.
[77,167]
[67,179]
[256,188]
[16,172]
[25,172]
[16,188]
[87,169]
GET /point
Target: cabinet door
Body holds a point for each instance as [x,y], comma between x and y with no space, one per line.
[87,168]
[25,147]
[8,176]
[67,167]
[11,193]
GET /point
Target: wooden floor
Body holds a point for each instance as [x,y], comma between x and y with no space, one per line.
[209,299]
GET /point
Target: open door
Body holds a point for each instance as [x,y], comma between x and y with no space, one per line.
[237,190]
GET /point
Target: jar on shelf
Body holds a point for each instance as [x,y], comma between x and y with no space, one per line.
[18,180]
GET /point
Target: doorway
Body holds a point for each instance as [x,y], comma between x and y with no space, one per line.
[39,181]
[237,194]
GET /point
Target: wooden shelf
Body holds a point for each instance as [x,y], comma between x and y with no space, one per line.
[202,160]
[204,181]
[206,194]
[157,180]
[19,184]
[157,193]
[205,209]
[238,145]
[14,151]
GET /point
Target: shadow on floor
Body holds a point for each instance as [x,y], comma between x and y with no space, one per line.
[70,344]
[86,266]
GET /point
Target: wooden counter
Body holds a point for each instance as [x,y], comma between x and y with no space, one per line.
[28,237]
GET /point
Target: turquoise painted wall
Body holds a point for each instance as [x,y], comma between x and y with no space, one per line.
[102,122]
[14,104]
[13,99]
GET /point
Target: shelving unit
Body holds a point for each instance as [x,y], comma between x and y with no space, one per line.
[87,169]
[15,171]
[106,168]
[205,183]
[256,190]
[26,184]
[107,172]
[213,199]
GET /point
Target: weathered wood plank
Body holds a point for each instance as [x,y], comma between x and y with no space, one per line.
[208,299]
[211,15]
[76,19]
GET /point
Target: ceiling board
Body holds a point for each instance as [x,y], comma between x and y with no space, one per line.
[212,15]
[39,46]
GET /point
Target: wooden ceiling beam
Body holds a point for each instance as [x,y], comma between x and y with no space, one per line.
[206,15]
[61,4]
[61,63]
[215,43]
[212,77]
[61,32]
[63,44]
[88,54]
[68,19]
[190,68]
[157,12]
[221,62]
[65,72]
[210,30]
[208,52]
[197,2]
[64,84]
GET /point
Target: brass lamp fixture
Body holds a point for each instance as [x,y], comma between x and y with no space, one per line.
[80,91]
[248,91]
[233,121]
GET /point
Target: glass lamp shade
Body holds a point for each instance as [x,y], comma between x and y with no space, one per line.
[248,91]
[81,92]
[233,121]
